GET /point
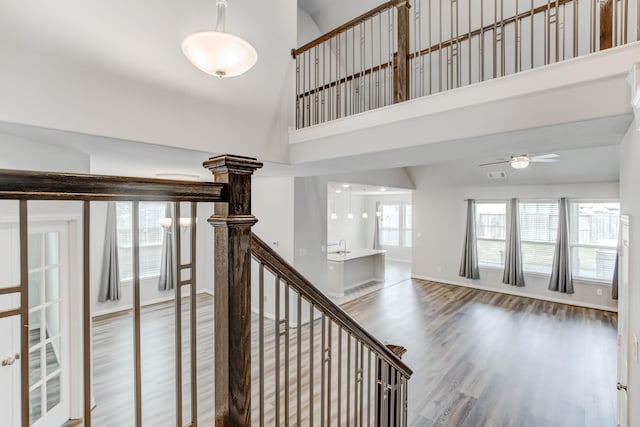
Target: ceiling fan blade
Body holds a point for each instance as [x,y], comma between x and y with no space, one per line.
[538,160]
[494,163]
[536,157]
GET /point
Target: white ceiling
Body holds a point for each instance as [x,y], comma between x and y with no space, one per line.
[141,39]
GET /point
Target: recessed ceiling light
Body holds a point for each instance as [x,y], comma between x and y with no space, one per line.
[338,191]
[383,189]
[345,186]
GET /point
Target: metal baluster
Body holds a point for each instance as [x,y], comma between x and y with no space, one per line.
[457,44]
[348,375]
[481,67]
[532,36]
[557,32]
[547,34]
[86,305]
[575,28]
[495,37]
[518,39]
[307,56]
[440,49]
[276,328]
[369,384]
[469,38]
[328,360]
[194,312]
[175,228]
[379,72]
[322,370]
[405,402]
[330,103]
[339,375]
[392,391]
[316,97]
[261,338]
[377,406]
[287,330]
[363,47]
[372,65]
[324,81]
[299,363]
[384,369]
[361,382]
[503,60]
[592,18]
[355,383]
[338,76]
[297,92]
[430,54]
[614,6]
[419,48]
[564,31]
[310,364]
[137,368]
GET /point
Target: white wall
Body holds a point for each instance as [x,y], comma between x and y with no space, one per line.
[630,205]
[21,153]
[439,217]
[307,28]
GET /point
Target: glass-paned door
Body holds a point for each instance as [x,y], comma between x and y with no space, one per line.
[48,326]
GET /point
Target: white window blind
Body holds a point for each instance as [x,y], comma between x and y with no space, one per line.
[150,238]
[491,230]
[390,235]
[538,229]
[594,238]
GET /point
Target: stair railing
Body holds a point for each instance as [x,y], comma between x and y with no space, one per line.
[316,365]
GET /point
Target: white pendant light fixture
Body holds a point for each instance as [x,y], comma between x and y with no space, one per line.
[219,53]
[365,215]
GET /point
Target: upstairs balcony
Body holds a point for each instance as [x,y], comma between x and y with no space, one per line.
[355,80]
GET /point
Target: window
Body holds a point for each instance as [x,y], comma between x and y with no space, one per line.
[396,225]
[538,229]
[491,230]
[594,239]
[150,238]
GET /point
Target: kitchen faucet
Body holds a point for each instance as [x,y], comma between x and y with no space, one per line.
[345,244]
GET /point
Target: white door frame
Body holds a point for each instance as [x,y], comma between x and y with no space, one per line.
[622,412]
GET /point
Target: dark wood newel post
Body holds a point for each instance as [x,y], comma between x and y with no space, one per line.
[232,222]
[401,66]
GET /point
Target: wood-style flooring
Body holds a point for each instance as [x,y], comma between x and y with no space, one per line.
[479,359]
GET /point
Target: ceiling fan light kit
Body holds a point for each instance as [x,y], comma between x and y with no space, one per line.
[219,53]
[519,162]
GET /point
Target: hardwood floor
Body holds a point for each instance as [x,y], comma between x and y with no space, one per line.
[479,359]
[487,359]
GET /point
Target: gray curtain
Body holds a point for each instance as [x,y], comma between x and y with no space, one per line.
[614,281]
[469,263]
[513,274]
[561,279]
[376,230]
[167,262]
[110,277]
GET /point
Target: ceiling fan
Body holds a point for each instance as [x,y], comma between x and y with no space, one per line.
[521,161]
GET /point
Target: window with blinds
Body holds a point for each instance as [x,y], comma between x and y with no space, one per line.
[594,239]
[491,231]
[150,238]
[538,229]
[396,224]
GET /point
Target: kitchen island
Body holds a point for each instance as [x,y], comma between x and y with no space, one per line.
[353,268]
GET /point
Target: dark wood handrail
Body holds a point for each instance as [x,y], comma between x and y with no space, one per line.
[33,185]
[355,21]
[278,266]
[431,49]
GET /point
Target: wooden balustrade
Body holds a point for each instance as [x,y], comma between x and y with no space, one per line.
[377,59]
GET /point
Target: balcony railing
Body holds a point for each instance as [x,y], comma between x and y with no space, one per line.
[408,49]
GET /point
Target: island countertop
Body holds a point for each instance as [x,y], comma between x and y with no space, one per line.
[353,254]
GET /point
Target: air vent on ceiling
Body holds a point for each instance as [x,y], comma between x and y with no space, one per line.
[497,175]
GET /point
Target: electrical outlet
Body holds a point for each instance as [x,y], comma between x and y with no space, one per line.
[599,292]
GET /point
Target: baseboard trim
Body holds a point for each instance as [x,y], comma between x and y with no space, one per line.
[519,294]
[148,303]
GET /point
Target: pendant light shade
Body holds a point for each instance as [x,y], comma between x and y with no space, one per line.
[219,53]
